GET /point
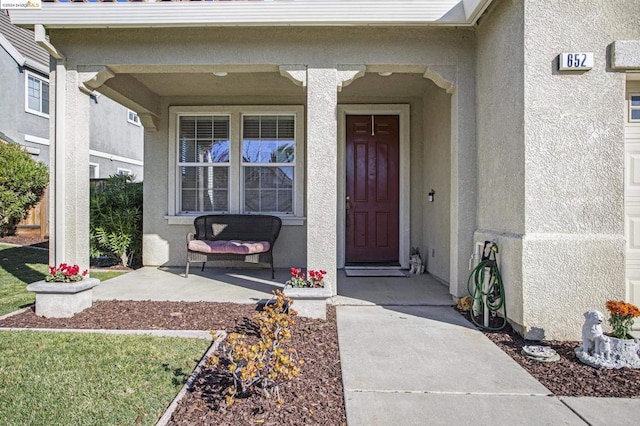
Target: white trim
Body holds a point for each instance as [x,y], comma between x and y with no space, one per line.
[36,139]
[12,51]
[124,172]
[32,151]
[188,220]
[42,80]
[404,231]
[235,186]
[115,157]
[256,13]
[97,170]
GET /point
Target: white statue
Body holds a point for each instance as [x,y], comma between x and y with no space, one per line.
[599,350]
[593,339]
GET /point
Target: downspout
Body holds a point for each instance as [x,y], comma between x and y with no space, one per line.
[59,131]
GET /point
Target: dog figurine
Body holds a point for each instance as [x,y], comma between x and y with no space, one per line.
[594,342]
[464,303]
[415,262]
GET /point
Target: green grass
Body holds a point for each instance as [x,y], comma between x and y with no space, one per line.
[19,267]
[51,378]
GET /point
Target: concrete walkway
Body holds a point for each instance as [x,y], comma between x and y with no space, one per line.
[426,365]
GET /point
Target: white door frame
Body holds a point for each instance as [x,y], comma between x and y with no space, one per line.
[404,234]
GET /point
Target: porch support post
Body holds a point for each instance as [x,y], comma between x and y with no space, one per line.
[69,168]
[322,169]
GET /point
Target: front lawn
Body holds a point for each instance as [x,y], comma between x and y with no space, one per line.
[19,267]
[90,379]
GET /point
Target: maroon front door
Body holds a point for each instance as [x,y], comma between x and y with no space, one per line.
[372,188]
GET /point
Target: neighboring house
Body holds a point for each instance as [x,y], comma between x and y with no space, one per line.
[116,133]
[376,126]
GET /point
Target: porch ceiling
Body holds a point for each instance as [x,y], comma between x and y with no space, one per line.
[261,84]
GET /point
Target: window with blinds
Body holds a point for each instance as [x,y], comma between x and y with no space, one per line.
[237,159]
[203,163]
[268,163]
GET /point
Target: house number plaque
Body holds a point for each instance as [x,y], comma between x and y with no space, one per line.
[576,61]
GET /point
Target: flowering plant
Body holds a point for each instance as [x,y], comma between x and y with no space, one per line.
[299,279]
[65,274]
[622,315]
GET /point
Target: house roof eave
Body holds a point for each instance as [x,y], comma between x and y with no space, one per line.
[272,13]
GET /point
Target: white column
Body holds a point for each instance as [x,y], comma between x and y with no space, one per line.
[69,164]
[322,169]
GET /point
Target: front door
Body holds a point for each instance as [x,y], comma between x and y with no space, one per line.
[372,216]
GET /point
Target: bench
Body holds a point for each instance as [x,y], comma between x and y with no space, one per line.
[248,238]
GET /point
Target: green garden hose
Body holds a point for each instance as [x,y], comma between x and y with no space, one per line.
[490,298]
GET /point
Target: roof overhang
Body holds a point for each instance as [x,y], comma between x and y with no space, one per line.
[253,13]
[20,59]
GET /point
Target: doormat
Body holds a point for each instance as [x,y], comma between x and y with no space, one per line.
[374,273]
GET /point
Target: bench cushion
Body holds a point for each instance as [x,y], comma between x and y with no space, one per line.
[229,247]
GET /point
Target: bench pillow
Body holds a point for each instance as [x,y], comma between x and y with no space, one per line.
[229,247]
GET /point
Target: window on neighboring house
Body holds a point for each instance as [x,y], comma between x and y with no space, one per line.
[634,107]
[37,94]
[238,159]
[124,172]
[94,170]
[133,118]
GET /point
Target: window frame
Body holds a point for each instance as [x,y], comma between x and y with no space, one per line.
[235,165]
[633,108]
[136,119]
[41,79]
[120,171]
[96,170]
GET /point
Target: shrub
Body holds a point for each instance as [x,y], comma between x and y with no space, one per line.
[270,362]
[22,183]
[116,220]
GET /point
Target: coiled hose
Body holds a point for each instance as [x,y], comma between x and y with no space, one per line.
[494,293]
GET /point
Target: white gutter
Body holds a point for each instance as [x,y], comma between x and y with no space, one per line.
[254,13]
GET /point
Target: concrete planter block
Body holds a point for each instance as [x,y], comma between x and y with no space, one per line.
[63,300]
[309,302]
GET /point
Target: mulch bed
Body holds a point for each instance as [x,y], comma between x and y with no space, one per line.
[568,376]
[316,397]
[25,240]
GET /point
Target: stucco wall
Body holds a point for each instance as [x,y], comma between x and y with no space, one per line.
[551,160]
[111,133]
[500,130]
[574,204]
[15,122]
[165,244]
[436,170]
[9,84]
[326,47]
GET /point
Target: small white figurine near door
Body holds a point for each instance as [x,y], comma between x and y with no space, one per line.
[415,262]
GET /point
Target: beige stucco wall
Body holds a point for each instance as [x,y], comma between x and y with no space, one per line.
[406,49]
[500,130]
[435,168]
[165,244]
[551,160]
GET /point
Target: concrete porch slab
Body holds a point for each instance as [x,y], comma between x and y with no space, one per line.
[410,290]
[408,409]
[423,349]
[212,285]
